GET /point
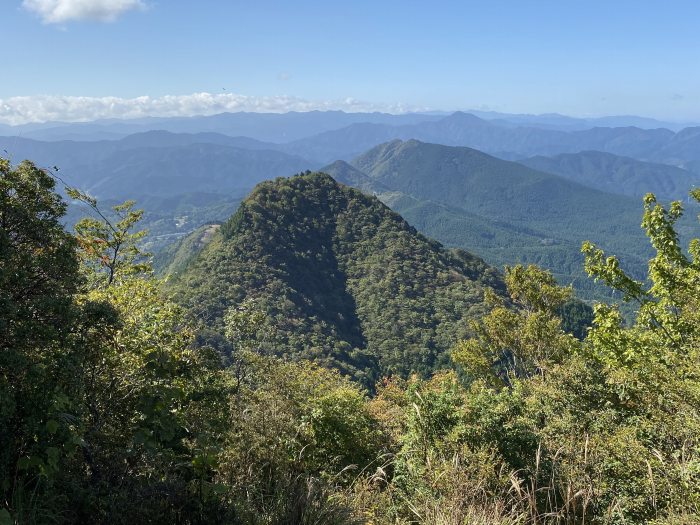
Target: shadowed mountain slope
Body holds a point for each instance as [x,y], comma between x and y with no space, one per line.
[341,278]
[505,212]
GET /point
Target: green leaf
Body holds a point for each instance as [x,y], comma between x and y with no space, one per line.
[27,462]
[5,517]
[52,426]
[53,455]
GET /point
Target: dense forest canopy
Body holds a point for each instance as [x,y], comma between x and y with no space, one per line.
[509,213]
[117,404]
[340,279]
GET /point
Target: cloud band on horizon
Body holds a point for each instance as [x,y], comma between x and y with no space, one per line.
[45,108]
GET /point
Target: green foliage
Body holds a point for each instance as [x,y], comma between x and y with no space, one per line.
[503,211]
[114,407]
[608,435]
[38,322]
[291,426]
[662,343]
[339,278]
[147,394]
[603,431]
[101,393]
[652,366]
[110,248]
[38,267]
[576,318]
[511,344]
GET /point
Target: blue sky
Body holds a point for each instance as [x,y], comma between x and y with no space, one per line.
[579,58]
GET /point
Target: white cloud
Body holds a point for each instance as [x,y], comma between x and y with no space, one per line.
[60,11]
[44,108]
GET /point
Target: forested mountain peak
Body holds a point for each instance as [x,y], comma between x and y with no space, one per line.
[340,277]
[467,198]
[370,160]
[468,178]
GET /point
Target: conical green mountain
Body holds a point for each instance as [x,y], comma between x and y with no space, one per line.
[497,189]
[341,279]
[504,211]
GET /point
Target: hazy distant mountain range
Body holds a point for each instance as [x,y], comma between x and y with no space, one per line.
[322,137]
[446,174]
[273,127]
[285,127]
[462,129]
[617,174]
